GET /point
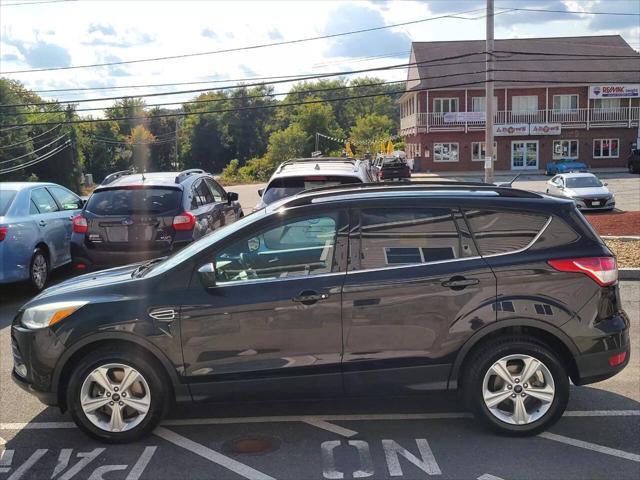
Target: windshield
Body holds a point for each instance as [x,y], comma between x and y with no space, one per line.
[6,197]
[583,182]
[127,201]
[203,243]
[285,187]
[393,161]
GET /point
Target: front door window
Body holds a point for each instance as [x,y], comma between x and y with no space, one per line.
[524,155]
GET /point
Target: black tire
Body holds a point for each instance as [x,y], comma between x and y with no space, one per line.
[39,269]
[118,355]
[482,360]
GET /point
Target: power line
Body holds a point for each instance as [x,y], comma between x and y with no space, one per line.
[116,142]
[37,160]
[346,87]
[34,151]
[290,80]
[572,12]
[28,139]
[18,4]
[325,75]
[245,48]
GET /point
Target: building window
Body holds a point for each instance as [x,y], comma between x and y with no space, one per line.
[445,152]
[565,149]
[478,151]
[479,104]
[444,105]
[565,102]
[606,103]
[524,103]
[606,148]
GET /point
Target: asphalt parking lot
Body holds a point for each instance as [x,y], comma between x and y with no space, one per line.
[377,438]
[398,437]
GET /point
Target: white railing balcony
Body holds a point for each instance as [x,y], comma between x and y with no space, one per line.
[583,116]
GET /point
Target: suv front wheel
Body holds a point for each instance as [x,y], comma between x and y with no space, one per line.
[517,386]
[116,395]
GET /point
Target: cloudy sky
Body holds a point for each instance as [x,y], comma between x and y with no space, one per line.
[66,33]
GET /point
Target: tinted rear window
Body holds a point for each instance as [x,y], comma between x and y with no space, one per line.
[286,187]
[6,197]
[503,232]
[154,201]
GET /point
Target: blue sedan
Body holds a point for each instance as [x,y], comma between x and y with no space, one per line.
[35,230]
[566,166]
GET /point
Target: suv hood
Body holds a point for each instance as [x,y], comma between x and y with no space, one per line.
[84,282]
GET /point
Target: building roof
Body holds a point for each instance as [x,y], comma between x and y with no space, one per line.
[555,59]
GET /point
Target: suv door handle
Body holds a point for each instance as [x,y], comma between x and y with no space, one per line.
[459,283]
[42,223]
[309,297]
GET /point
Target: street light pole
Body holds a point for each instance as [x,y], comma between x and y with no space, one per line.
[489,153]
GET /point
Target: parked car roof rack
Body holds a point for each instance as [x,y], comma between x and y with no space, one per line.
[112,177]
[304,196]
[185,173]
[316,160]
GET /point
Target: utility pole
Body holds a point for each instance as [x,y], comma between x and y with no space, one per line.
[317,141]
[489,153]
[178,119]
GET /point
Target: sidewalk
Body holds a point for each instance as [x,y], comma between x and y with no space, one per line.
[504,173]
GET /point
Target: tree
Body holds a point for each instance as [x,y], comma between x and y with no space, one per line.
[163,150]
[370,131]
[316,118]
[140,140]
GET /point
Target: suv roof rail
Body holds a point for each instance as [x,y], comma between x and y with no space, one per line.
[112,177]
[185,173]
[293,161]
[423,185]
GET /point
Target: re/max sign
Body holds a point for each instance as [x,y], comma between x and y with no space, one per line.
[614,91]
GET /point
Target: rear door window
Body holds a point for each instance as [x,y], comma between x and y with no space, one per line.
[44,201]
[391,237]
[68,200]
[152,201]
[289,186]
[217,190]
[201,195]
[498,232]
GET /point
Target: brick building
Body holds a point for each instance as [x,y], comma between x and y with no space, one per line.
[567,97]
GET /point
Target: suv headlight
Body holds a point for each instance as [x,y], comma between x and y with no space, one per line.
[49,314]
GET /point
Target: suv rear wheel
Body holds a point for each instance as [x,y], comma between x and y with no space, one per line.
[517,386]
[116,395]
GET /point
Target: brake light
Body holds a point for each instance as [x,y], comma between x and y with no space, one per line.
[80,224]
[3,233]
[603,270]
[618,359]
[186,221]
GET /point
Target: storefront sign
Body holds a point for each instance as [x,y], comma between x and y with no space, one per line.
[545,129]
[461,117]
[510,130]
[614,91]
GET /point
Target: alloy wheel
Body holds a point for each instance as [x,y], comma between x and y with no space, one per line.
[115,397]
[518,389]
[39,271]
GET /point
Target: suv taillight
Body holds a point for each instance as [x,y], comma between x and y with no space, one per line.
[80,224]
[603,270]
[186,221]
[3,233]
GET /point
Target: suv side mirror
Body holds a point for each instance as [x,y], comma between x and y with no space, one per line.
[232,197]
[207,273]
[260,191]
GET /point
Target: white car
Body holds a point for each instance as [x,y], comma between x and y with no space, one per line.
[585,189]
[296,175]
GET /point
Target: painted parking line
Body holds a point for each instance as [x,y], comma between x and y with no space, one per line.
[229,463]
[591,446]
[186,422]
[331,427]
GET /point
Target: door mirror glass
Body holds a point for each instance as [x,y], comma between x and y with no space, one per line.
[232,197]
[260,191]
[207,273]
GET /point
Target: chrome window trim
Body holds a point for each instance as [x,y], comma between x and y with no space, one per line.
[413,265]
[254,281]
[526,247]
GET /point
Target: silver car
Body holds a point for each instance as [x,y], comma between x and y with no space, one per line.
[585,189]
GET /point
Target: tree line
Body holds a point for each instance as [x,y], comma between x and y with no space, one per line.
[250,133]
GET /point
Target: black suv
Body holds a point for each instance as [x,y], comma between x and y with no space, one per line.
[134,217]
[394,288]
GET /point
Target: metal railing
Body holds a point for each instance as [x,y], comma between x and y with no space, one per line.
[565,116]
